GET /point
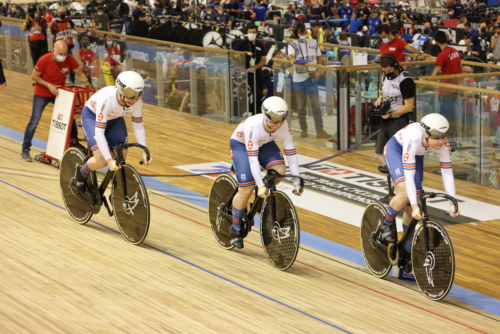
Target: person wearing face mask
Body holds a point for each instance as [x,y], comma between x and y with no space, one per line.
[396,45]
[305,80]
[222,18]
[345,12]
[100,21]
[209,16]
[13,12]
[254,63]
[37,37]
[480,43]
[87,57]
[398,87]
[50,73]
[61,28]
[112,49]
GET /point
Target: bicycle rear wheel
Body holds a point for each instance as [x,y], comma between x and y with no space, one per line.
[435,269]
[376,258]
[280,236]
[76,203]
[220,205]
[131,204]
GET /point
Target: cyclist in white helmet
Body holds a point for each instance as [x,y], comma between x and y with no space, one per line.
[404,154]
[252,147]
[104,126]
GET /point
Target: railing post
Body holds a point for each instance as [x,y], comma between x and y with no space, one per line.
[160,96]
[193,89]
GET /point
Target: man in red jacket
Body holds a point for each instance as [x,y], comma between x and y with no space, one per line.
[49,74]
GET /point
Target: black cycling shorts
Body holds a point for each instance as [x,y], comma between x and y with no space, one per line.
[388,129]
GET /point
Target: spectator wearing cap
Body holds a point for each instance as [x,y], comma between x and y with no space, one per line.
[374,22]
[100,21]
[495,44]
[37,33]
[396,45]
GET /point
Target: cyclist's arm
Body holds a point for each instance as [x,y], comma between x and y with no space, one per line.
[138,126]
[100,128]
[291,154]
[446,169]
[409,168]
[252,145]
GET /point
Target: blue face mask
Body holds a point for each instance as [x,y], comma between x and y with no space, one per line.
[99,13]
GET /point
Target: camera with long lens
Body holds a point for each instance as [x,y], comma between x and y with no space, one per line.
[374,117]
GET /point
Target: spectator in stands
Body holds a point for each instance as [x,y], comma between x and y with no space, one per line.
[13,12]
[497,22]
[138,14]
[260,12]
[305,80]
[232,8]
[331,8]
[396,45]
[254,64]
[324,10]
[37,37]
[50,73]
[354,22]
[401,16]
[427,25]
[208,15]
[374,22]
[62,28]
[469,30]
[345,12]
[131,6]
[422,42]
[462,22]
[330,38]
[363,12]
[479,43]
[316,32]
[3,82]
[343,52]
[3,10]
[112,48]
[448,62]
[100,21]
[495,44]
[384,16]
[247,13]
[456,10]
[223,18]
[299,19]
[360,30]
[186,9]
[87,57]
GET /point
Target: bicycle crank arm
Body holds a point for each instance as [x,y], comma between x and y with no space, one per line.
[105,201]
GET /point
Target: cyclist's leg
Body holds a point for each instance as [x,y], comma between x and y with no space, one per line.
[270,157]
[116,131]
[246,183]
[419,177]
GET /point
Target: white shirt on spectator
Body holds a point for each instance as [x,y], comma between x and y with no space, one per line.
[308,50]
[131,6]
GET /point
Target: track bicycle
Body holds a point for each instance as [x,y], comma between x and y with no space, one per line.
[279,223]
[432,255]
[128,198]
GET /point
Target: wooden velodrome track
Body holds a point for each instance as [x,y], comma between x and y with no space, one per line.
[58,276]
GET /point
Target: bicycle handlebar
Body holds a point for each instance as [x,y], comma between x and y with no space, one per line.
[434,195]
[120,146]
[273,174]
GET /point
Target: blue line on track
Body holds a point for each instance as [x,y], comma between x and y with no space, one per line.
[193,265]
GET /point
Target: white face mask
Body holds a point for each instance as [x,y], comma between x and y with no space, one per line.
[252,37]
[302,38]
[60,58]
[109,43]
[386,40]
[220,12]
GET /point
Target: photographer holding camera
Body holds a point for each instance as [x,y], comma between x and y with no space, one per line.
[396,102]
[37,38]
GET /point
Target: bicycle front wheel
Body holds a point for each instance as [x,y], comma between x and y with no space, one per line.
[434,263]
[280,231]
[220,207]
[131,204]
[375,257]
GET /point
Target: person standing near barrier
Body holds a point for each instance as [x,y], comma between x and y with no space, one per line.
[253,65]
[480,43]
[100,21]
[3,82]
[305,80]
[49,74]
[37,37]
[62,29]
[395,45]
[397,101]
[87,57]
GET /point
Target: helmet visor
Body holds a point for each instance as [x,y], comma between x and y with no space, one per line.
[435,134]
[129,93]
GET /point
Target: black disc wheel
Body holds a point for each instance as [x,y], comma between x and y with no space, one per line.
[219,209]
[76,203]
[280,231]
[374,253]
[131,204]
[434,263]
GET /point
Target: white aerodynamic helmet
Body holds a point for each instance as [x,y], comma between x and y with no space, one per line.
[130,84]
[275,109]
[435,126]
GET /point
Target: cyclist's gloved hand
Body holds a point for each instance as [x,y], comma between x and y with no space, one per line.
[145,158]
[415,212]
[263,192]
[112,165]
[452,211]
[296,190]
